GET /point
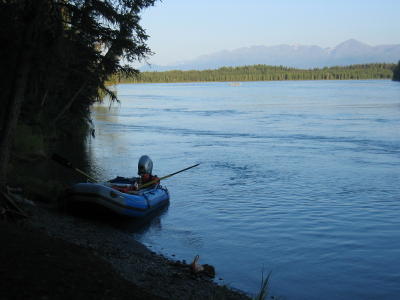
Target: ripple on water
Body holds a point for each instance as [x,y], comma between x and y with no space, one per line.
[300,178]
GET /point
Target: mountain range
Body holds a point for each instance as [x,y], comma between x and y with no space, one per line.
[297,56]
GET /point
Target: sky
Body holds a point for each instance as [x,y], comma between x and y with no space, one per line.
[181,30]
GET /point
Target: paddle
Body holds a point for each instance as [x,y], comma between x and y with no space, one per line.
[68,164]
[164,177]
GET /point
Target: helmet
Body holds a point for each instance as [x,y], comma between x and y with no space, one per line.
[145,165]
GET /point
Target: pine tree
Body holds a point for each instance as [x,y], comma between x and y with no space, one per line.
[57,55]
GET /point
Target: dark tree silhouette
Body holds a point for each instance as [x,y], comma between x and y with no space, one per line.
[55,58]
[396,72]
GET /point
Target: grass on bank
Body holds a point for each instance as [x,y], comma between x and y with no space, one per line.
[264,288]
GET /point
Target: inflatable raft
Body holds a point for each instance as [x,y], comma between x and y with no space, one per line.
[116,196]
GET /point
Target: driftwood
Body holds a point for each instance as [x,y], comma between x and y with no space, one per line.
[205,269]
[9,207]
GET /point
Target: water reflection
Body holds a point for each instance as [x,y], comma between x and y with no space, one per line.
[104,113]
[100,215]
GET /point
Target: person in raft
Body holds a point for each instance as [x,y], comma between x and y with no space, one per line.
[145,168]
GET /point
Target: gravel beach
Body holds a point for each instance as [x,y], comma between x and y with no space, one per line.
[55,255]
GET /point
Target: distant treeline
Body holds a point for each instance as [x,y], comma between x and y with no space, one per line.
[266,73]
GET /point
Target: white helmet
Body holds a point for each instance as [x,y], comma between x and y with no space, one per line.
[145,165]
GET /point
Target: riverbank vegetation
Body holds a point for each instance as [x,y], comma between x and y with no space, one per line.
[56,58]
[396,73]
[264,73]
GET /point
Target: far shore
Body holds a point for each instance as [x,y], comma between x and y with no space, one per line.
[229,83]
[262,73]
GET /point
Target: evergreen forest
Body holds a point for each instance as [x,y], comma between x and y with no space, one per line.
[265,73]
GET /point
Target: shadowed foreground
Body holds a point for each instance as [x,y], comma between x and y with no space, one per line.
[36,266]
[52,255]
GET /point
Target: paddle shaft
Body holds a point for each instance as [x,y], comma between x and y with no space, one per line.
[166,176]
[68,164]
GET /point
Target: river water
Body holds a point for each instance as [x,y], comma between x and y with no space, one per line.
[297,178]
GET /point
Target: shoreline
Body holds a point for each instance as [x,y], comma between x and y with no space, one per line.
[246,81]
[148,274]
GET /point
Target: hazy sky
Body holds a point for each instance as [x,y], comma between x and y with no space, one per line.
[184,29]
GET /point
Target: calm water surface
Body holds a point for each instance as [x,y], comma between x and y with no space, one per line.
[298,178]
